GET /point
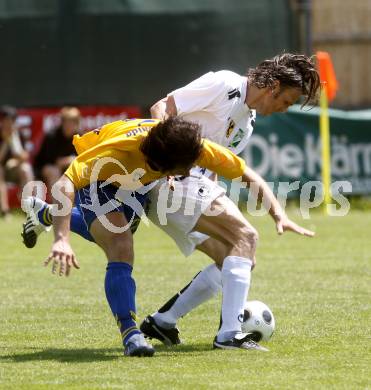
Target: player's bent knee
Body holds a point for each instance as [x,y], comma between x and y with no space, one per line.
[252,236]
[120,249]
[247,239]
[117,247]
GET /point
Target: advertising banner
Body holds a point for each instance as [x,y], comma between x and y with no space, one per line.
[34,123]
[287,147]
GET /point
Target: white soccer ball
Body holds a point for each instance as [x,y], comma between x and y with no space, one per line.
[258,320]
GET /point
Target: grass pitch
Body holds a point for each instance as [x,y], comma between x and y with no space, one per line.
[59,333]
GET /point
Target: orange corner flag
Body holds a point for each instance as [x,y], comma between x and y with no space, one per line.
[327,74]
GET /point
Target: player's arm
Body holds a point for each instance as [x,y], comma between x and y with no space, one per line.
[61,254]
[262,191]
[225,163]
[195,96]
[64,162]
[164,108]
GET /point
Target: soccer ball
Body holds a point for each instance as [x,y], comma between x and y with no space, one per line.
[258,320]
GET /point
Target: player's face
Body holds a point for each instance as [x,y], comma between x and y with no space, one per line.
[278,100]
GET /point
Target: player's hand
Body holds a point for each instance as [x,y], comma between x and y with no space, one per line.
[62,258]
[283,223]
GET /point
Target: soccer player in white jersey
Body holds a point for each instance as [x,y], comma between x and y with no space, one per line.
[224,104]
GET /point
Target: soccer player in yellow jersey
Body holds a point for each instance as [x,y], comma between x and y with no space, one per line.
[136,153]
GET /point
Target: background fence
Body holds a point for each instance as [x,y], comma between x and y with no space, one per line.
[56,52]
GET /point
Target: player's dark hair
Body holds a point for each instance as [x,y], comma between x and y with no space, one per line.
[291,70]
[172,143]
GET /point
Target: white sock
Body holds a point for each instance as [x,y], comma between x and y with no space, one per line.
[204,286]
[236,273]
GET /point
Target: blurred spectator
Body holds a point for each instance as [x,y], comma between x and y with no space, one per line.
[56,151]
[14,165]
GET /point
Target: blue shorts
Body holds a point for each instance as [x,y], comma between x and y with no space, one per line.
[94,201]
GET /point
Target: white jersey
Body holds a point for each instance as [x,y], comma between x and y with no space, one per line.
[216,101]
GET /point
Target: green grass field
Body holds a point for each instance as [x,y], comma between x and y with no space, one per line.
[59,333]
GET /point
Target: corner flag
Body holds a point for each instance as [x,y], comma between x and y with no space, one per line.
[328,92]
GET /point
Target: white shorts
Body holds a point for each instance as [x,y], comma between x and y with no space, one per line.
[177,212]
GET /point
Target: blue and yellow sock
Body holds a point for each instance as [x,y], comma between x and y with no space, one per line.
[77,223]
[120,292]
[44,215]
